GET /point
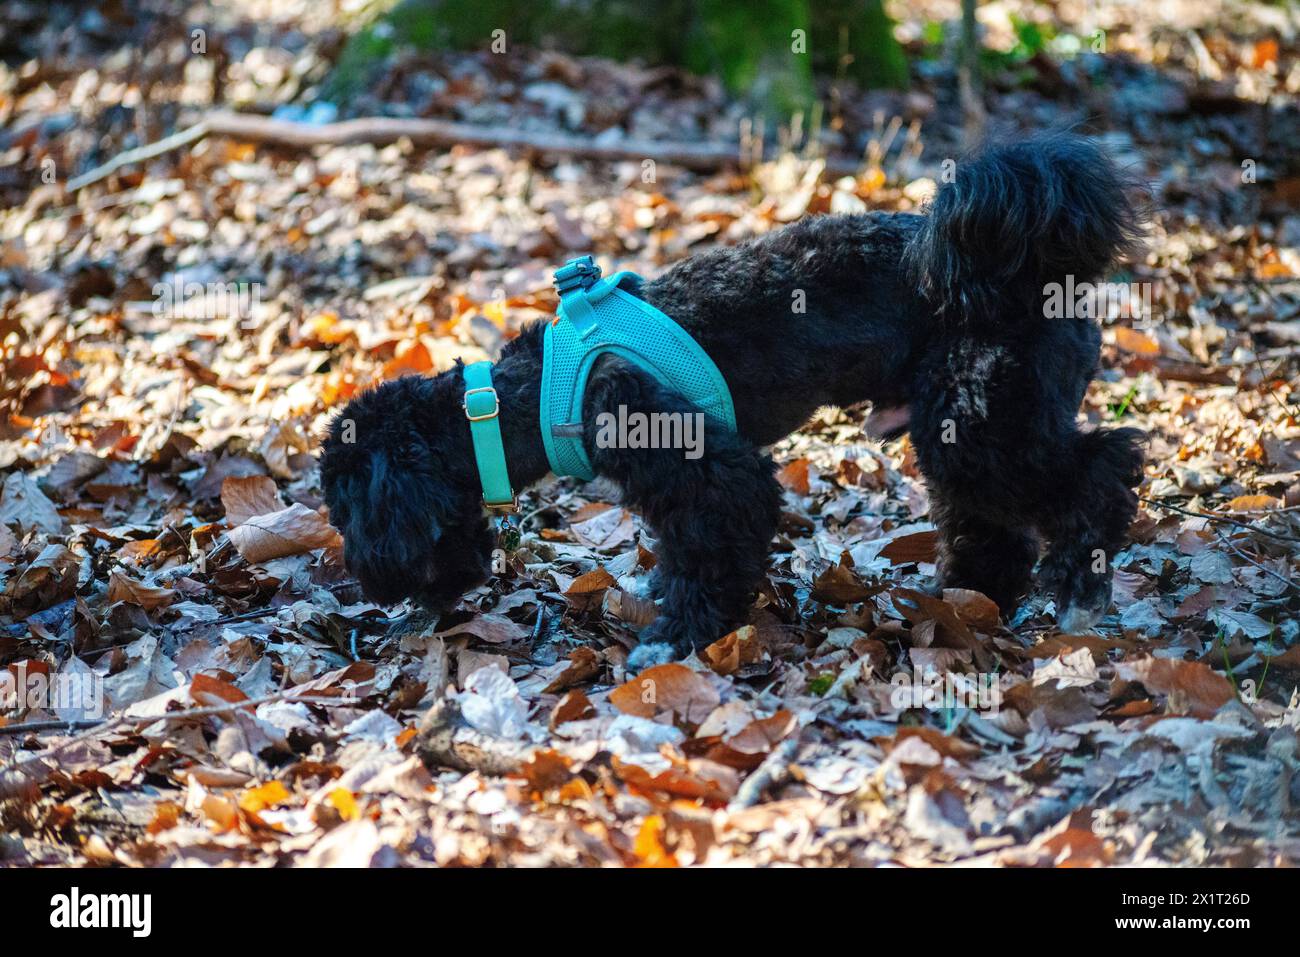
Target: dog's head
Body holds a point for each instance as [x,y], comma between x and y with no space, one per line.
[402,488]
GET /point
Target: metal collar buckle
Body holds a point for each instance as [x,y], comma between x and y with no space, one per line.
[496,404]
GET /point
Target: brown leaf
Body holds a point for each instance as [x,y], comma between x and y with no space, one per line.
[584,664]
[1193,686]
[1064,644]
[626,607]
[593,581]
[547,769]
[282,439]
[290,531]
[838,585]
[208,691]
[746,749]
[916,547]
[245,497]
[975,608]
[1074,843]
[123,588]
[715,790]
[607,529]
[50,579]
[23,503]
[946,745]
[671,687]
[951,631]
[728,653]
[574,706]
[497,629]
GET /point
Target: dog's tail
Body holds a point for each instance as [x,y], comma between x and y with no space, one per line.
[1020,216]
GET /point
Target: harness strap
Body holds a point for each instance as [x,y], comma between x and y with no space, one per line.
[598,316]
[483,408]
[572,280]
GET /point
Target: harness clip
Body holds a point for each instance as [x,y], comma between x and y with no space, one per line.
[580,273]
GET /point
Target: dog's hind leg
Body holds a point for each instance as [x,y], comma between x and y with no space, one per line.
[1098,505]
[996,439]
[991,488]
[713,507]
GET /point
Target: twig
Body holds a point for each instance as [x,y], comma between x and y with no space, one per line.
[229,619]
[446,740]
[774,769]
[108,724]
[37,727]
[1260,565]
[1219,518]
[140,154]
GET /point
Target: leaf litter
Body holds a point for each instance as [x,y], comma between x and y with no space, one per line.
[162,534]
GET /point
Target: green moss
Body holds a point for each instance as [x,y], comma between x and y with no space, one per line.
[766,50]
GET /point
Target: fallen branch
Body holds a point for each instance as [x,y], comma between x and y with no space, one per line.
[140,154]
[446,740]
[1210,516]
[774,770]
[381,130]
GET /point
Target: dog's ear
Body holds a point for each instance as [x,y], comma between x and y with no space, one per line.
[391,516]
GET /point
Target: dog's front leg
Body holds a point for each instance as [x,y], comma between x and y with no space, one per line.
[710,497]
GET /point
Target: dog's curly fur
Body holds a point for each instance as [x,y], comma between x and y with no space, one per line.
[941,313]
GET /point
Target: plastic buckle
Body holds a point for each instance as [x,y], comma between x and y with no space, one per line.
[496,404]
[580,273]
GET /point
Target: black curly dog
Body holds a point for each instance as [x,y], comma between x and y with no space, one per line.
[942,314]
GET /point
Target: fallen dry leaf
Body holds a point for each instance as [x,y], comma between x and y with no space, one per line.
[673,688]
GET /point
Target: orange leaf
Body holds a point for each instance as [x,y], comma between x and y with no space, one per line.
[1252,503]
[648,848]
[584,664]
[1130,340]
[794,476]
[165,817]
[208,691]
[1265,52]
[593,581]
[413,358]
[345,802]
[259,798]
[574,706]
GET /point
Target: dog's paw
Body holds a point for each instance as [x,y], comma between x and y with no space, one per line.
[417,621]
[1082,602]
[1078,619]
[648,654]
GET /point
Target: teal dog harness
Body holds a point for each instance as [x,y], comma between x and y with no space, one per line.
[596,316]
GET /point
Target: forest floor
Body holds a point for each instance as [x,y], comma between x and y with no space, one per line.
[163,540]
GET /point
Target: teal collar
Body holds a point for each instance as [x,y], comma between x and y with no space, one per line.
[482,408]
